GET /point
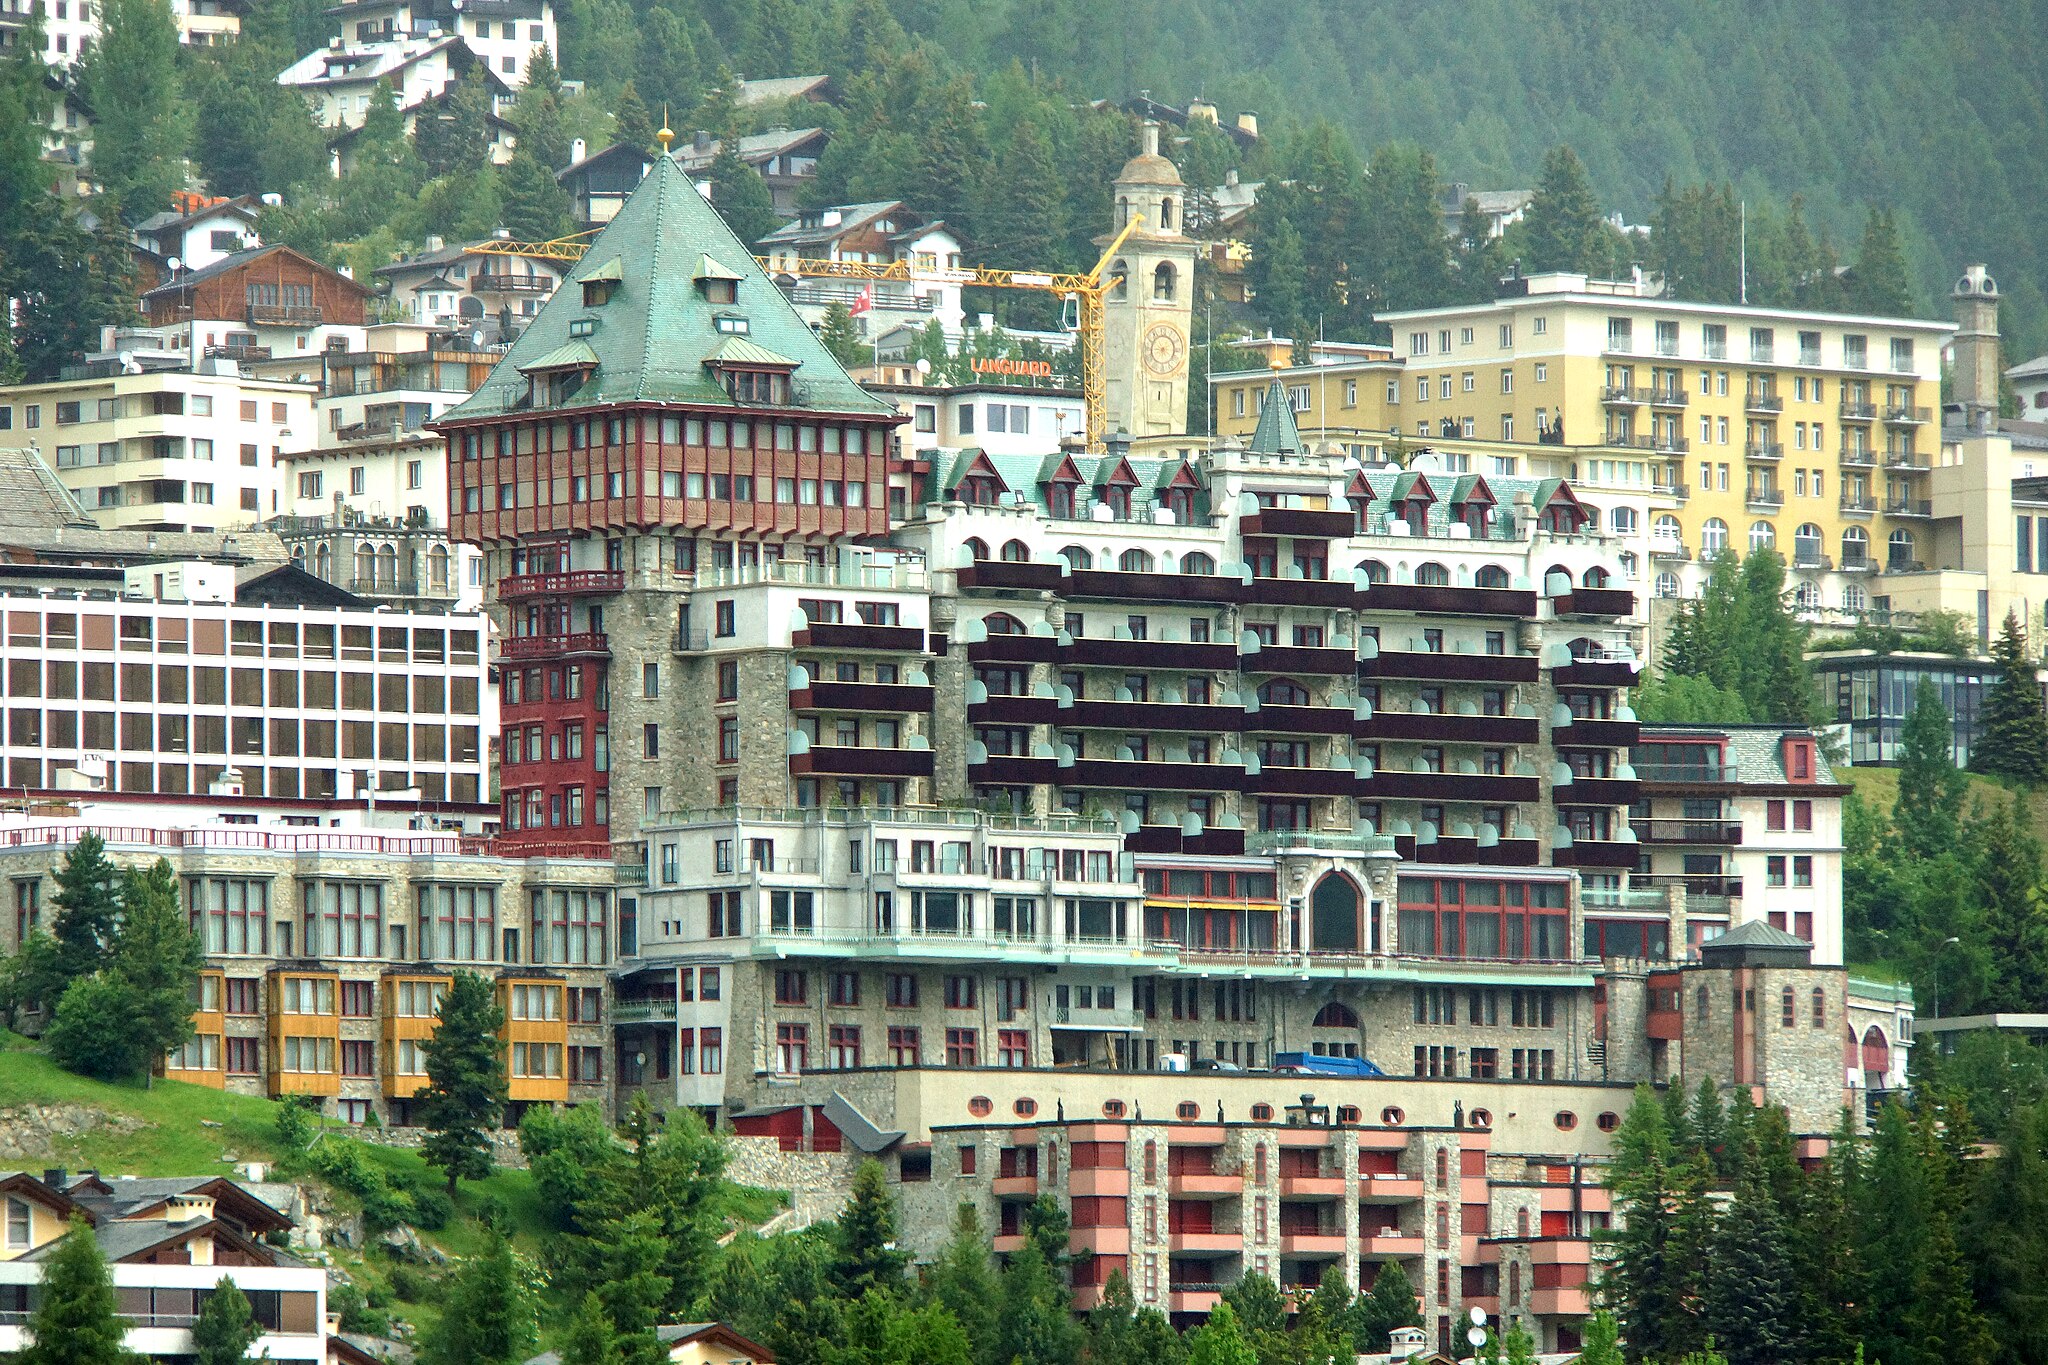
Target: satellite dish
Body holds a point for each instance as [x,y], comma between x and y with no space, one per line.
[923,366]
[175,264]
[476,338]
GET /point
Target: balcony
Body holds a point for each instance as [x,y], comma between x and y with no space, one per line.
[1666,547]
[280,315]
[1003,708]
[1204,1185]
[1811,560]
[1390,1189]
[1858,457]
[1668,397]
[642,1012]
[990,574]
[1858,564]
[1906,459]
[830,760]
[1417,597]
[1010,649]
[1596,672]
[1299,720]
[1311,1187]
[1905,414]
[509,282]
[1137,774]
[1601,853]
[1763,499]
[1390,1246]
[1014,1187]
[1213,843]
[1014,770]
[1311,1243]
[1858,504]
[1763,450]
[1193,1298]
[1299,592]
[1908,507]
[859,635]
[1103,652]
[1298,521]
[1624,396]
[1595,602]
[1431,666]
[1681,831]
[1428,727]
[1484,788]
[575,583]
[1669,444]
[1595,791]
[855,696]
[1280,780]
[1707,885]
[1756,400]
[1116,584]
[1588,732]
[1313,659]
[1150,715]
[1858,412]
[528,648]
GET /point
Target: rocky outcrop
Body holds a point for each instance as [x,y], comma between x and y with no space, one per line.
[31,1132]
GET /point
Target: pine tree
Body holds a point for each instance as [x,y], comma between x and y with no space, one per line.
[465,1089]
[1601,1343]
[868,1258]
[1878,282]
[1906,1231]
[2009,1236]
[634,1290]
[1221,1340]
[1278,261]
[1775,683]
[2014,741]
[1389,1304]
[1022,219]
[1563,225]
[840,335]
[157,959]
[742,197]
[961,1279]
[951,164]
[667,70]
[87,910]
[1033,1317]
[490,1313]
[536,207]
[227,1326]
[142,124]
[591,1340]
[77,1321]
[2008,887]
[1751,1311]
[94,1031]
[1481,261]
[632,124]
[537,113]
[454,134]
[1322,1327]
[1652,1275]
[1406,258]
[1928,811]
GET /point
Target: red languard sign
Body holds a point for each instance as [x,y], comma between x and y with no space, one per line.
[1026,369]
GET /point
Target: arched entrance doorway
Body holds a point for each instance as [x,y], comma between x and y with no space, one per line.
[1334,920]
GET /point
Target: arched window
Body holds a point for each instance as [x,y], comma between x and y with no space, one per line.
[1855,547]
[1899,550]
[1166,213]
[1077,558]
[1521,1222]
[1624,521]
[1197,563]
[1667,529]
[1283,692]
[1788,1008]
[1134,561]
[1002,623]
[1713,537]
[1853,598]
[437,566]
[1514,1284]
[387,566]
[1807,596]
[1119,272]
[323,563]
[1375,572]
[1592,519]
[1163,280]
[1820,1008]
[977,548]
[1595,577]
[1667,584]
[1432,575]
[1491,576]
[1877,1058]
[1016,552]
[1762,536]
[1336,1015]
[1699,1003]
[1806,546]
[299,558]
[1333,915]
[1628,564]
[366,566]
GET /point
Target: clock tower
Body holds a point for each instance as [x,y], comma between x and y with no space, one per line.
[1150,300]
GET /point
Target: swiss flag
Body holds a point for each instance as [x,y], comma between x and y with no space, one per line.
[862,302]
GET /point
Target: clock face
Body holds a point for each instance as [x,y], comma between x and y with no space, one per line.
[1165,348]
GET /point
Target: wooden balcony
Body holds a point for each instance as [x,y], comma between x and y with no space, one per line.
[1585,733]
[1279,780]
[1596,791]
[1310,659]
[856,696]
[1013,770]
[575,583]
[1595,602]
[828,760]
[1116,585]
[1128,774]
[1299,720]
[1425,727]
[1480,788]
[1007,709]
[1596,673]
[1298,521]
[1008,649]
[1601,853]
[985,575]
[1432,667]
[529,648]
[1151,715]
[859,635]
[1300,592]
[1207,657]
[1417,597]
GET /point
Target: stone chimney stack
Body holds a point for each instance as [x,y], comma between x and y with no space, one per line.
[1976,347]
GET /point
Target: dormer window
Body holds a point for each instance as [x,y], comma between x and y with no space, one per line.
[716,282]
[756,386]
[601,283]
[582,327]
[721,291]
[731,324]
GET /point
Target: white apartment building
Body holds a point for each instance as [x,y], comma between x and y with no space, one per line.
[1000,418]
[70,25]
[186,690]
[504,33]
[165,449]
[448,285]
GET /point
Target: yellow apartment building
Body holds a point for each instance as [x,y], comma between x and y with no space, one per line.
[1699,427]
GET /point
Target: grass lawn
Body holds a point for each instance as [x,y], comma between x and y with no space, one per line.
[1879,788]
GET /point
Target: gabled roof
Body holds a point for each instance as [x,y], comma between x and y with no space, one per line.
[658,329]
[127,1241]
[243,207]
[674,1334]
[28,1186]
[777,88]
[753,148]
[852,218]
[1276,433]
[32,497]
[237,260]
[618,151]
[1759,933]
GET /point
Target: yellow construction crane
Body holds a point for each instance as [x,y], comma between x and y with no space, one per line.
[1088,292]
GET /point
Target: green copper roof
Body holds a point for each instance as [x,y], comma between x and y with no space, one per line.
[575,355]
[656,332]
[740,351]
[1276,433]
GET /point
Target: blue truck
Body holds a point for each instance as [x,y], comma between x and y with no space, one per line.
[1311,1064]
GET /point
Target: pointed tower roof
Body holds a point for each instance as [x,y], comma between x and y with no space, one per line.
[653,327]
[1276,433]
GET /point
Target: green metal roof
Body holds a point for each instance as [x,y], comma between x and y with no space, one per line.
[574,355]
[659,330]
[1276,433]
[740,351]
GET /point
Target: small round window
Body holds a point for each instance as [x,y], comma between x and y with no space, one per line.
[1480,1118]
[1392,1116]
[1262,1113]
[1187,1109]
[1608,1121]
[1025,1108]
[1566,1120]
[1112,1109]
[981,1106]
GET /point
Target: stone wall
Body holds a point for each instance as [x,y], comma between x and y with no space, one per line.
[818,1182]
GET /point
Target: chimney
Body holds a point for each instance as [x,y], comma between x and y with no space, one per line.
[702,141]
[436,242]
[54,1177]
[1976,347]
[1117,445]
[1230,177]
[576,150]
[1151,138]
[1248,122]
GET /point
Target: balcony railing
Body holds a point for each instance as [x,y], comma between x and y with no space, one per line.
[1624,395]
[508,282]
[1857,503]
[1862,456]
[1858,412]
[1681,831]
[530,647]
[1908,507]
[1899,457]
[1906,414]
[1753,401]
[584,582]
[1676,445]
[1764,498]
[285,315]
[1763,450]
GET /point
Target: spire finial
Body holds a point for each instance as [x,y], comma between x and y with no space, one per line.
[667,134]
